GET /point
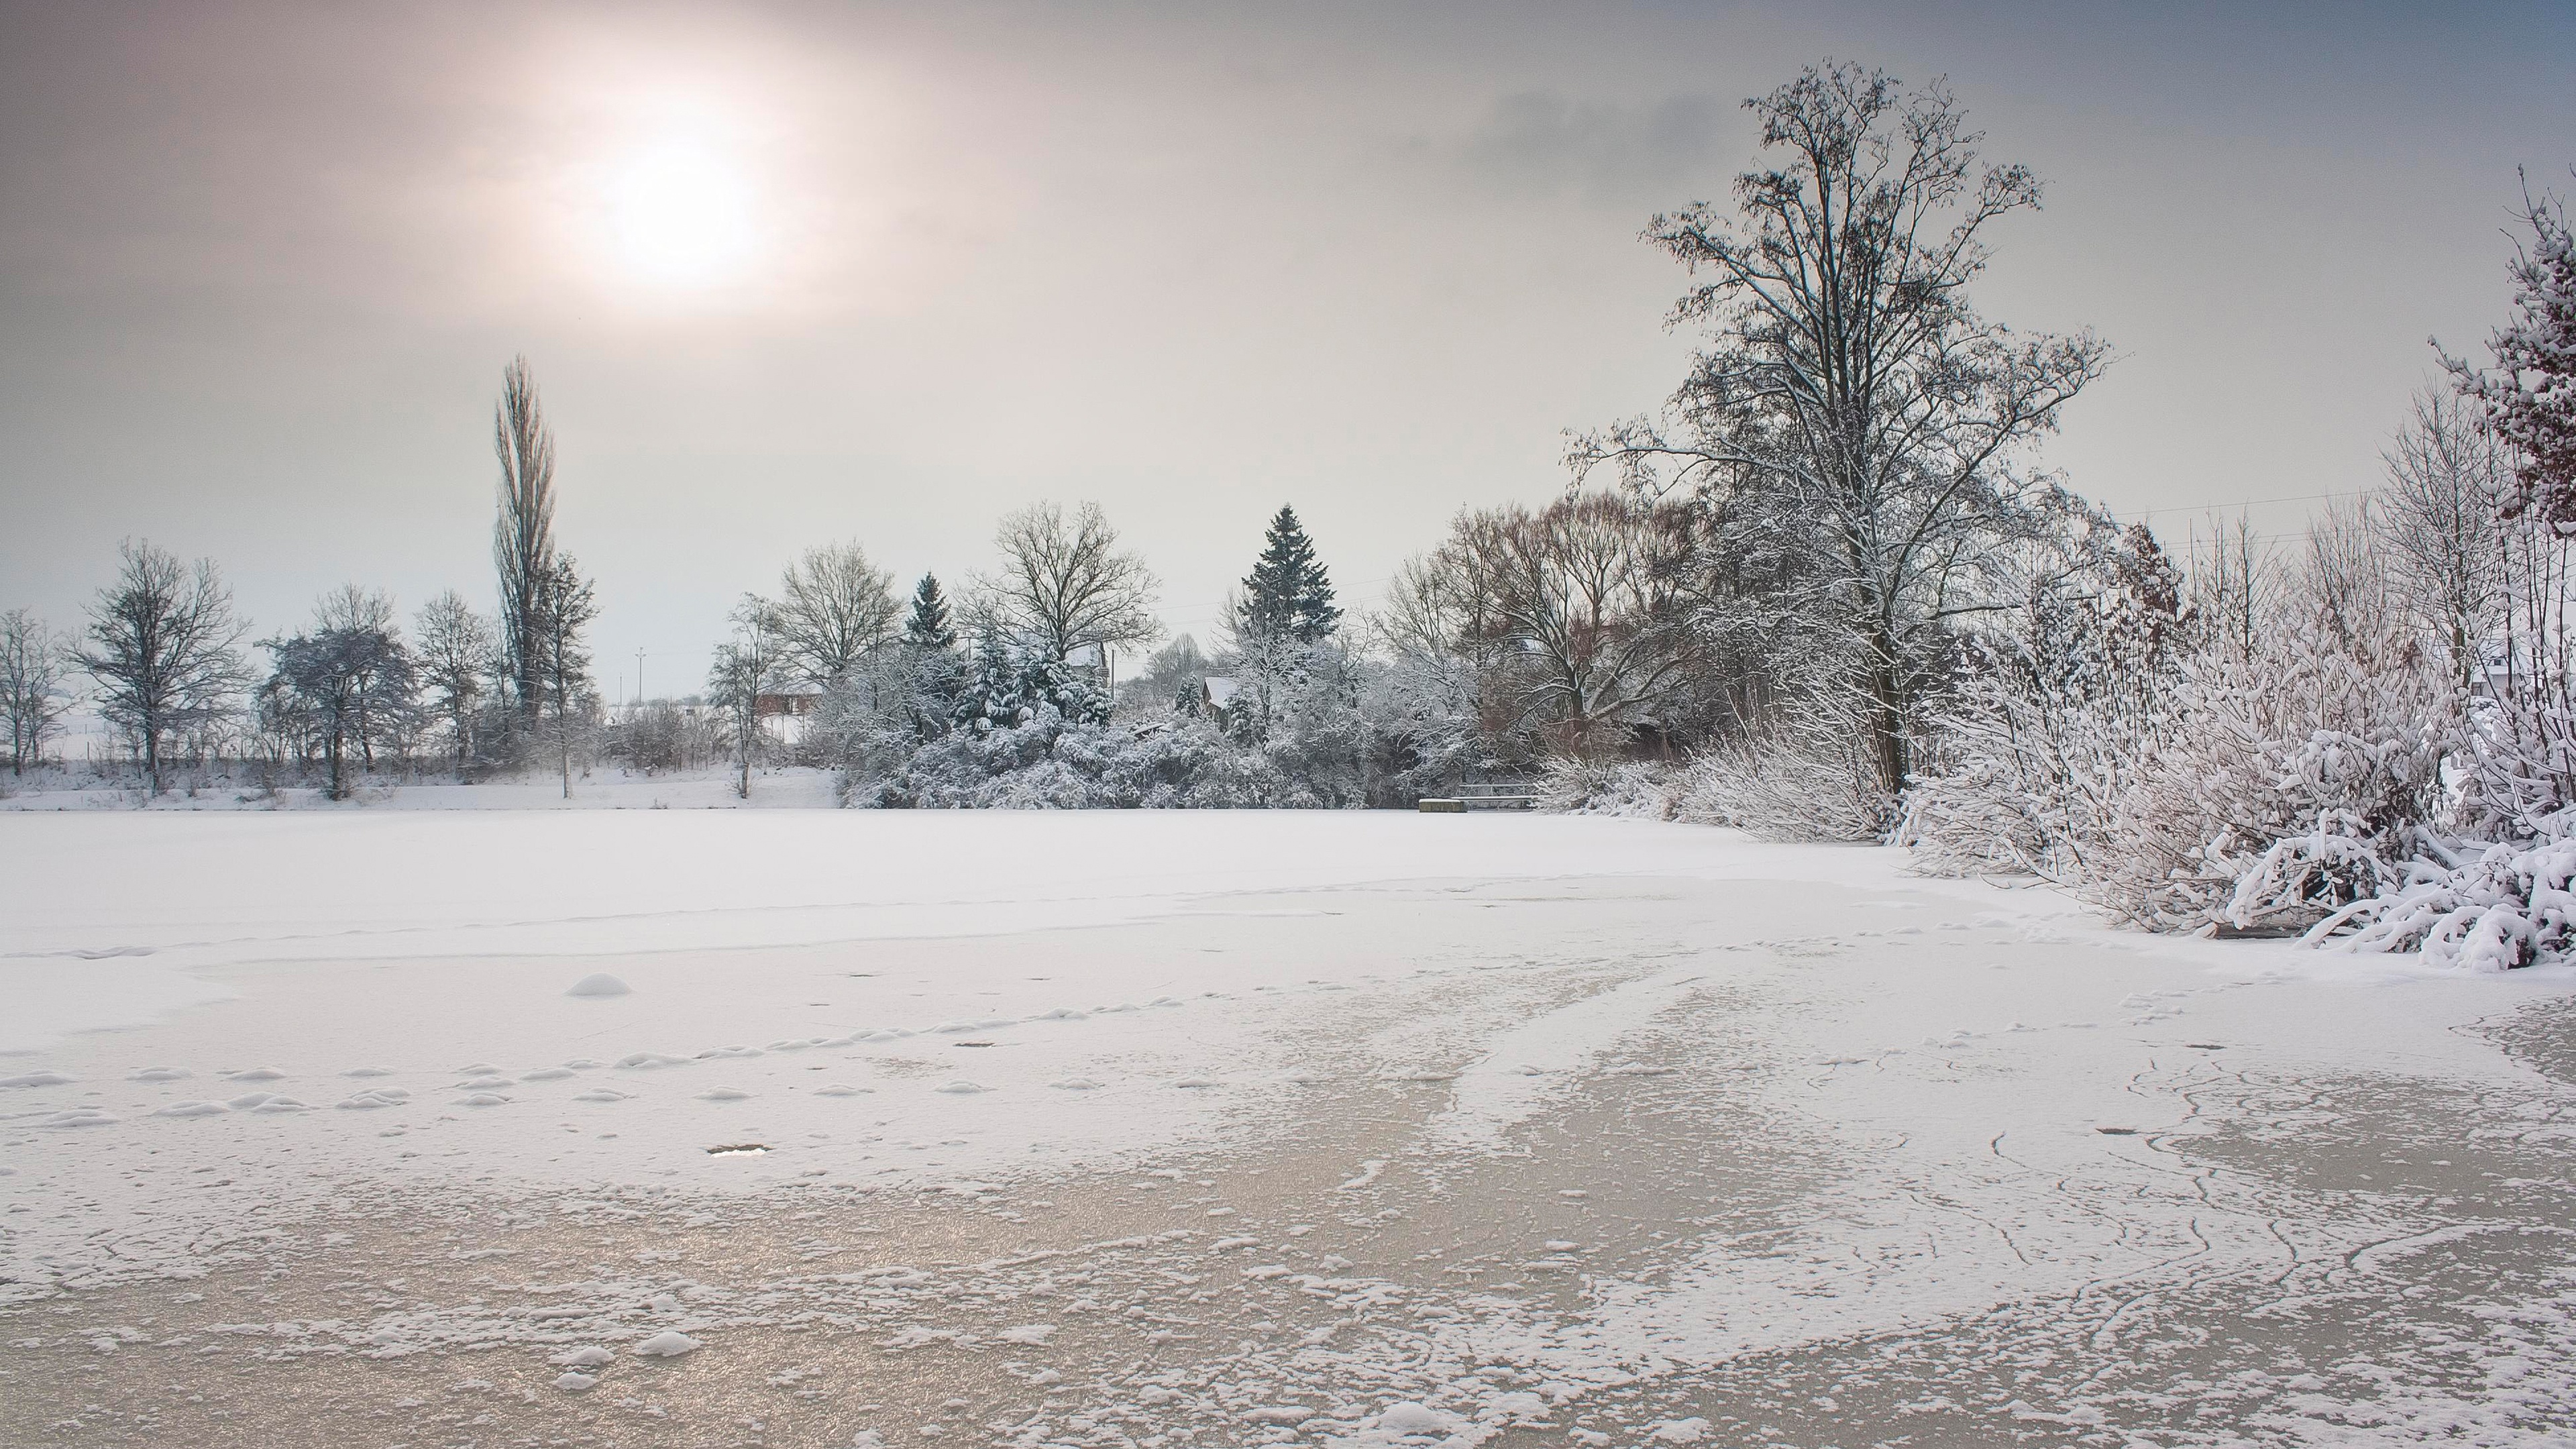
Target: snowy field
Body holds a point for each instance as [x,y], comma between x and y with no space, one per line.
[1177,1130]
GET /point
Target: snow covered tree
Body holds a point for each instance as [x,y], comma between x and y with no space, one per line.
[928,625]
[833,607]
[34,695]
[1850,412]
[566,608]
[1012,685]
[1065,584]
[164,649]
[2529,395]
[523,539]
[935,675]
[457,652]
[1288,593]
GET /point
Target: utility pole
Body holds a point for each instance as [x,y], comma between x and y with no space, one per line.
[639,679]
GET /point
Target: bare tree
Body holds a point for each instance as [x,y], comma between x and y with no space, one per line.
[833,607]
[523,538]
[1850,409]
[165,650]
[2438,520]
[1576,613]
[1066,584]
[33,692]
[566,608]
[746,667]
[350,675]
[382,715]
[457,651]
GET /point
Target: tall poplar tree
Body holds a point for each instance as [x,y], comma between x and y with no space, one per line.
[523,537]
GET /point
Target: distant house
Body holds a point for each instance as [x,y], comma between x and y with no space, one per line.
[791,705]
[792,701]
[1216,697]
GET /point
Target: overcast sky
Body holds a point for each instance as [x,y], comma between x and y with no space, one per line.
[795,273]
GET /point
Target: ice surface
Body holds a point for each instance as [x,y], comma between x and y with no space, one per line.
[1486,1120]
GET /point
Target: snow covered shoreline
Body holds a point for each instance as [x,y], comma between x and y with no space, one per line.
[1769,1101]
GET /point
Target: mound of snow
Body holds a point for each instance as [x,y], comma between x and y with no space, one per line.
[1408,1417]
[669,1343]
[575,1383]
[599,983]
[192,1109]
[589,1357]
[961,1088]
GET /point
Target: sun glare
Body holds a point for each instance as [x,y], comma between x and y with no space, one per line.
[681,216]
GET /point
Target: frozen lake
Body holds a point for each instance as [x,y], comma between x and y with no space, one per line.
[1191,1129]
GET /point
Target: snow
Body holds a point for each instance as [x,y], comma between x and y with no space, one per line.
[1388,1125]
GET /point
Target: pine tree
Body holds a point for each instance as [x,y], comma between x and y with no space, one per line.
[2530,394]
[929,627]
[1287,595]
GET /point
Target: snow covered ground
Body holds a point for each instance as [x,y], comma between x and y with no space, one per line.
[1180,1129]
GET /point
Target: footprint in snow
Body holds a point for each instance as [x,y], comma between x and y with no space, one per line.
[193,1109]
[961,1088]
[837,1089]
[159,1074]
[650,1061]
[1076,1084]
[258,1074]
[601,1094]
[79,1117]
[482,1099]
[36,1079]
[267,1102]
[729,1051]
[485,1083]
[1194,1082]
[368,1072]
[724,1094]
[547,1074]
[375,1097]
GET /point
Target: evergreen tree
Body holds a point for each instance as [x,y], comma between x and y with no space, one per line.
[1287,595]
[928,627]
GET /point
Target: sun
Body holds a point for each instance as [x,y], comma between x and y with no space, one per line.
[680,215]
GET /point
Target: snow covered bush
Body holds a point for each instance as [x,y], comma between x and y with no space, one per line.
[1641,791]
[1796,783]
[2506,905]
[2040,736]
[2298,777]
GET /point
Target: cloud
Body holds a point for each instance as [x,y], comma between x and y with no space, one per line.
[1655,154]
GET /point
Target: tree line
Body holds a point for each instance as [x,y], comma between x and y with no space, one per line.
[166,656]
